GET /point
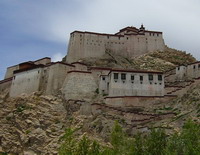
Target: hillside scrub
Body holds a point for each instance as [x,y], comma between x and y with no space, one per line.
[157,142]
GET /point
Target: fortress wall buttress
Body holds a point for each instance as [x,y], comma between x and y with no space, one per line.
[26,82]
[56,76]
[75,48]
[155,41]
[79,84]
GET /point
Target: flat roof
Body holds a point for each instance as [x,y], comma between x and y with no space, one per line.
[42,59]
[95,33]
[28,69]
[135,71]
[81,63]
[76,71]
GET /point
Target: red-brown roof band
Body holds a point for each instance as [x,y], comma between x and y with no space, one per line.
[6,80]
[124,70]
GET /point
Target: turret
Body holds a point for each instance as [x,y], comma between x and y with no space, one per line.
[142,29]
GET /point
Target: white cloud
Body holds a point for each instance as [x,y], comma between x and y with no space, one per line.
[57,57]
[54,21]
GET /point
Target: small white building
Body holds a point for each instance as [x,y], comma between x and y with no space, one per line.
[185,72]
[132,83]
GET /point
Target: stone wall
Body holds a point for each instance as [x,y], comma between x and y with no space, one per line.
[43,61]
[55,77]
[136,86]
[80,66]
[10,70]
[79,85]
[26,82]
[5,84]
[88,44]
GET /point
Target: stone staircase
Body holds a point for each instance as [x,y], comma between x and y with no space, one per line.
[133,117]
[181,87]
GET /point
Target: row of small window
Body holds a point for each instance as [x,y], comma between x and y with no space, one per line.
[152,34]
[105,44]
[123,77]
[195,66]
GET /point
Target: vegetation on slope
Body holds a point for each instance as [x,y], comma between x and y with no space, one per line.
[157,142]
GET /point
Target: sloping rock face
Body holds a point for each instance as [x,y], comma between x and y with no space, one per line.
[31,124]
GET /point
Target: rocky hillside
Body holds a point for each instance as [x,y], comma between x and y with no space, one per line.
[34,124]
[31,124]
[160,61]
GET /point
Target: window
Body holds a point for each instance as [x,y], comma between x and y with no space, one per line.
[123,76]
[150,77]
[108,37]
[178,68]
[160,77]
[132,77]
[127,38]
[199,66]
[103,78]
[115,76]
[141,78]
[194,67]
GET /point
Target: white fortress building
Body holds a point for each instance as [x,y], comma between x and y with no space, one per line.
[76,80]
[129,42]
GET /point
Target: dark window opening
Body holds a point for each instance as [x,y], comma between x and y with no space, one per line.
[115,76]
[103,78]
[178,68]
[108,37]
[141,78]
[150,77]
[194,66]
[199,66]
[123,76]
[127,38]
[132,77]
[160,77]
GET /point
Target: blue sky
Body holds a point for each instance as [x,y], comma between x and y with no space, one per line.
[31,29]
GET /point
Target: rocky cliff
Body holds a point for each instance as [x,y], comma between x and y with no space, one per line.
[34,124]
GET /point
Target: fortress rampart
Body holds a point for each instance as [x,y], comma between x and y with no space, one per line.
[128,42]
